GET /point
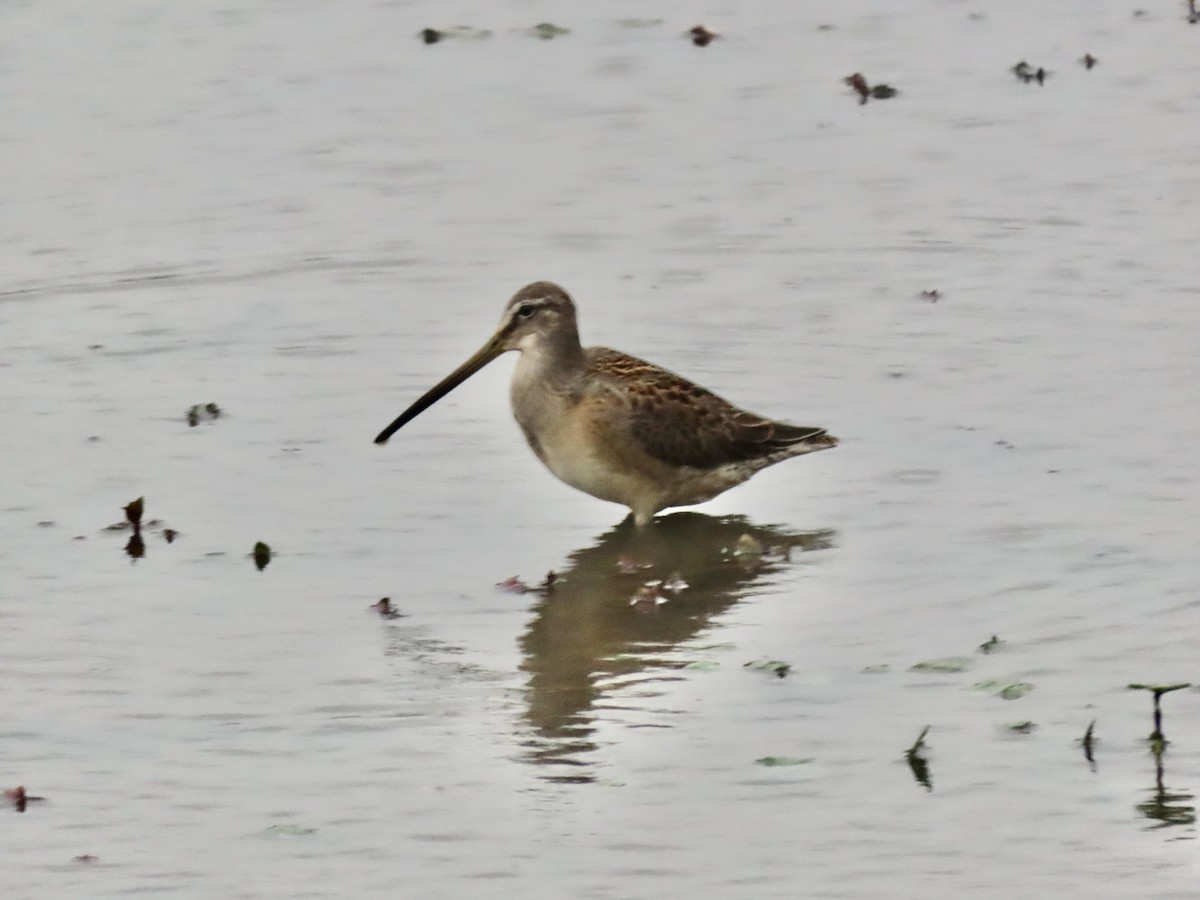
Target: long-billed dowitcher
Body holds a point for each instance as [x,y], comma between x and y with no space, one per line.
[617,427]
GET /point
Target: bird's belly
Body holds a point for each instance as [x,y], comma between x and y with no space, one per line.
[575,461]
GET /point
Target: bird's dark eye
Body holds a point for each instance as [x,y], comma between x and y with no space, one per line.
[525,310]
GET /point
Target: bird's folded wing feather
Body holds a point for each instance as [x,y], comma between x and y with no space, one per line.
[682,424]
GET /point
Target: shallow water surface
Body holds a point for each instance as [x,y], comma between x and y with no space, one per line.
[308,217]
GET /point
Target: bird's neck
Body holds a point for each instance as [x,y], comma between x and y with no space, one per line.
[555,360]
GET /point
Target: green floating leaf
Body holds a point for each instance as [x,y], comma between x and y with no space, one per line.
[1159,688]
[1015,691]
[949,664]
[290,830]
[546,31]
[1005,690]
[1025,727]
[778,761]
[703,665]
[878,669]
[774,666]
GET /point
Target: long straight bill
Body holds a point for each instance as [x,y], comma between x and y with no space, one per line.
[485,355]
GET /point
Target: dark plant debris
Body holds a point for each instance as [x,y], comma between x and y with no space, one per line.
[208,412]
[702,35]
[867,91]
[262,555]
[1027,73]
[1088,61]
[458,32]
[1088,742]
[917,761]
[992,643]
[136,547]
[19,799]
[1158,740]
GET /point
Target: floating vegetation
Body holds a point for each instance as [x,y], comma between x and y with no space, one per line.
[19,799]
[290,830]
[136,547]
[1027,73]
[950,664]
[703,665]
[675,584]
[639,23]
[1023,727]
[385,609]
[749,547]
[917,761]
[702,35]
[135,522]
[1088,742]
[208,412]
[1157,739]
[776,667]
[85,858]
[933,295]
[1165,807]
[877,669]
[648,597]
[1005,690]
[990,644]
[1088,61]
[262,555]
[547,31]
[628,565]
[867,91]
[773,762]
[454,32]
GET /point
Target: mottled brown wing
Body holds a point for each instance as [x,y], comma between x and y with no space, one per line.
[683,424]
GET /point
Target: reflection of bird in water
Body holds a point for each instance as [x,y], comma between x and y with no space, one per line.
[617,427]
[588,643]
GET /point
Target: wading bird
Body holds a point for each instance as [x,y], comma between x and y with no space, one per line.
[614,426]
